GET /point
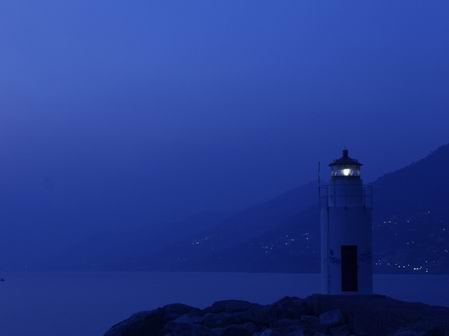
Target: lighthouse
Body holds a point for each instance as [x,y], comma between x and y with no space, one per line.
[346,230]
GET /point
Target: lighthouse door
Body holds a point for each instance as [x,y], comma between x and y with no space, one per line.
[349,276]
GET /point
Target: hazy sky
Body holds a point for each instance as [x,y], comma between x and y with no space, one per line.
[182,106]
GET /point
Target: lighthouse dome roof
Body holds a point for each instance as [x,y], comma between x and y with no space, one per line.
[345,160]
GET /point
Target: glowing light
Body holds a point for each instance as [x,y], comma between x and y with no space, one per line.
[346,172]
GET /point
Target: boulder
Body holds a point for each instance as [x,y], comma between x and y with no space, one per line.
[146,323]
[287,326]
[342,330]
[332,318]
[287,308]
[409,332]
[423,330]
[311,322]
[173,311]
[150,323]
[189,318]
[219,320]
[269,332]
[246,329]
[300,332]
[229,306]
[185,329]
[255,314]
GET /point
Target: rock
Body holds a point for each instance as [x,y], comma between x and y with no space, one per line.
[229,306]
[239,330]
[287,326]
[150,322]
[342,330]
[332,318]
[243,329]
[287,308]
[300,332]
[189,318]
[408,332]
[255,314]
[318,315]
[145,323]
[217,331]
[422,330]
[251,327]
[219,320]
[185,329]
[173,311]
[269,332]
[311,322]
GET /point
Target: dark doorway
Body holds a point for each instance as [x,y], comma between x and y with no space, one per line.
[349,274]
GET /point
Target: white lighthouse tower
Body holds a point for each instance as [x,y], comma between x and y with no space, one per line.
[346,237]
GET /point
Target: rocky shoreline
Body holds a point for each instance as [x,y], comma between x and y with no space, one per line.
[317,315]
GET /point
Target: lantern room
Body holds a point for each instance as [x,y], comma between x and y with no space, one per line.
[345,167]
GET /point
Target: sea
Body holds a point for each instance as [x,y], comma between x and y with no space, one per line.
[88,304]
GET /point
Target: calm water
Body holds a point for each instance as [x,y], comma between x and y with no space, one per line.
[74,304]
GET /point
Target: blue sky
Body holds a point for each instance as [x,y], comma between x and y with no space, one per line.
[182,106]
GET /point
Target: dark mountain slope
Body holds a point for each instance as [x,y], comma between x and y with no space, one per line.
[411,231]
[411,228]
[213,249]
[420,186]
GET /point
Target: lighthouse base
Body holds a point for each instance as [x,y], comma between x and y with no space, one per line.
[346,258]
